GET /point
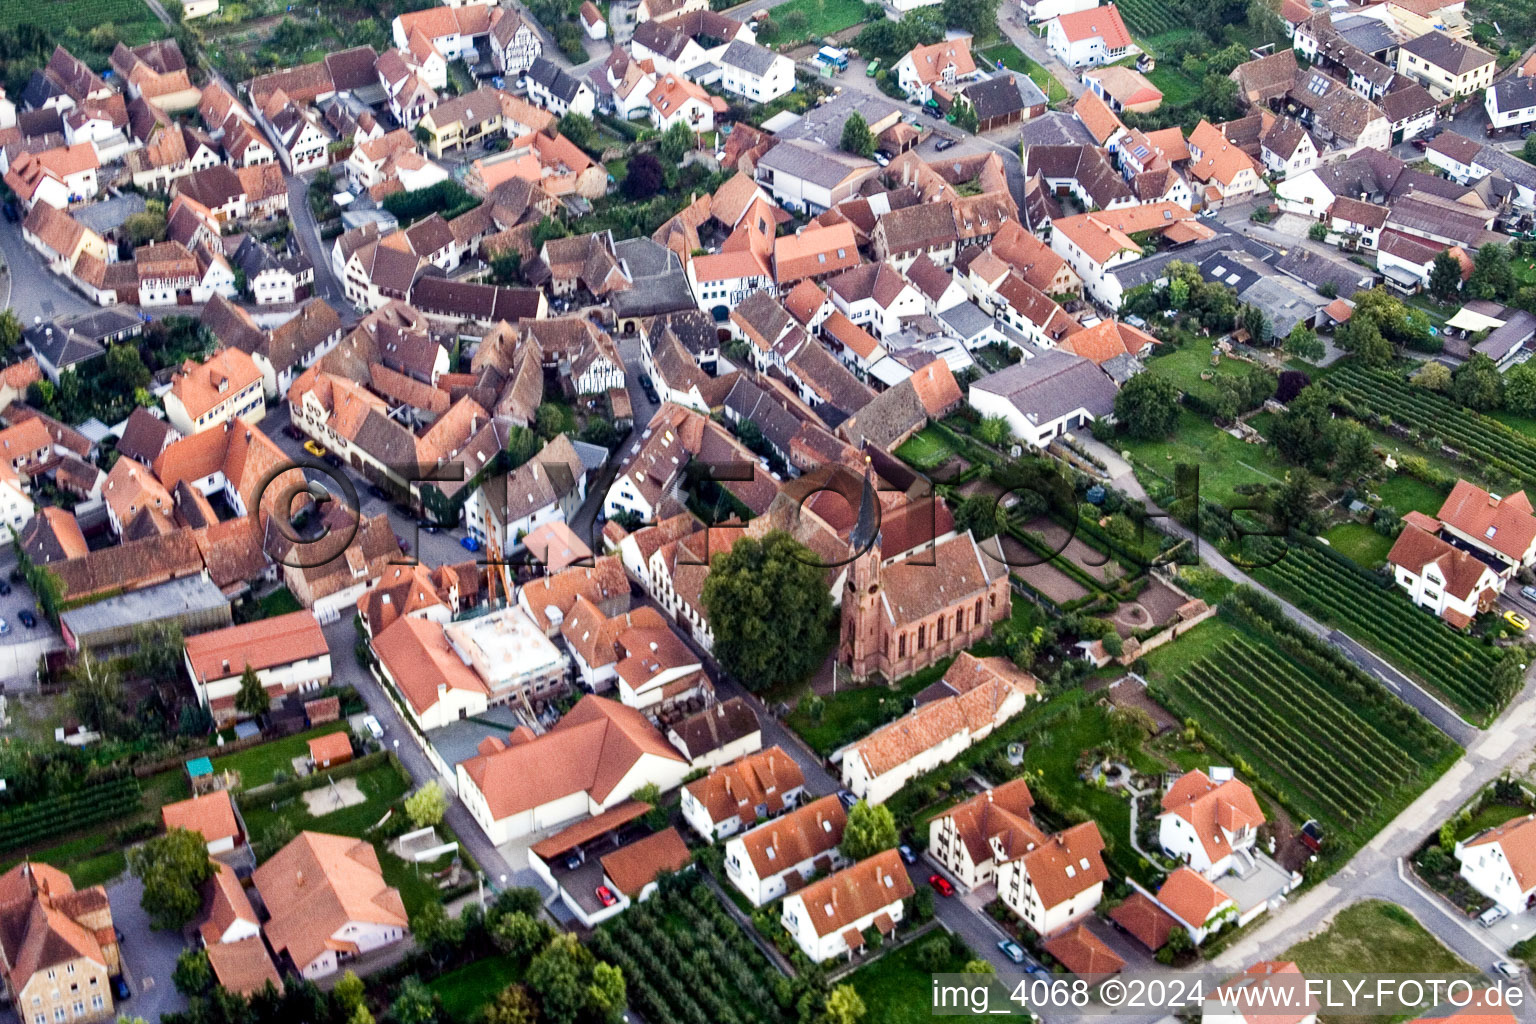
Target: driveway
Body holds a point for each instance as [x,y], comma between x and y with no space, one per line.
[149,956]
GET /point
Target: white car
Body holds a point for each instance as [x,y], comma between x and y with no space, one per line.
[1507,969]
[374,728]
[1492,916]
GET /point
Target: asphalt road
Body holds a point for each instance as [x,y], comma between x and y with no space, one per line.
[36,291]
[149,956]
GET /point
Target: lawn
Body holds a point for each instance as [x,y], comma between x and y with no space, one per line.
[257,765]
[823,18]
[1176,86]
[854,713]
[1373,937]
[280,602]
[1491,815]
[88,860]
[1014,59]
[897,988]
[1224,461]
[469,988]
[1183,366]
[1359,543]
[1408,493]
[924,450]
[381,785]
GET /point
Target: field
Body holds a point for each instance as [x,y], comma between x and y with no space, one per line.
[1373,937]
[1324,738]
[1455,666]
[1359,543]
[132,19]
[257,764]
[896,989]
[686,959]
[1015,60]
[465,990]
[823,18]
[1224,461]
[1177,87]
[1481,440]
[924,450]
[1148,17]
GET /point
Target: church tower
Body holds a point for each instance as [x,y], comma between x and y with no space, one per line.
[862,641]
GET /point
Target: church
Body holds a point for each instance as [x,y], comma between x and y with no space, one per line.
[900,618]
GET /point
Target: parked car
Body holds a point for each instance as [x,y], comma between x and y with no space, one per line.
[5,627]
[469,544]
[315,448]
[1529,593]
[907,853]
[373,727]
[941,884]
[1012,950]
[873,69]
[881,158]
[428,526]
[27,618]
[847,799]
[572,861]
[1420,144]
[944,143]
[5,588]
[1517,620]
[605,896]
[120,988]
[405,545]
[1507,969]
[1492,916]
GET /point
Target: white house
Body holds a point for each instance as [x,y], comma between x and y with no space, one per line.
[975,696]
[1046,396]
[416,658]
[514,43]
[1089,38]
[212,816]
[1051,882]
[592,21]
[754,72]
[288,654]
[328,901]
[876,296]
[231,918]
[828,918]
[1449,581]
[1511,102]
[676,100]
[945,64]
[1206,824]
[720,281]
[1197,903]
[729,799]
[557,92]
[548,487]
[1045,10]
[1500,863]
[591,760]
[761,863]
[961,839]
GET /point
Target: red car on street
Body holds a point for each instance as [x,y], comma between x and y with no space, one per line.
[941,885]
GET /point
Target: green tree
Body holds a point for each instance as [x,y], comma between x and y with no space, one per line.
[978,967]
[513,1006]
[655,819]
[522,445]
[769,609]
[978,17]
[1148,406]
[194,974]
[349,991]
[578,128]
[676,142]
[843,1003]
[1257,325]
[1318,232]
[435,931]
[550,421]
[1520,388]
[857,138]
[1434,376]
[507,267]
[965,116]
[547,229]
[1354,451]
[564,979]
[983,515]
[1303,343]
[1362,336]
[10,330]
[519,934]
[96,695]
[1445,276]
[173,868]
[360,1015]
[1492,275]
[252,699]
[414,1003]
[158,652]
[427,805]
[1528,151]
[1293,502]
[871,828]
[1476,384]
[994,430]
[607,994]
[1178,945]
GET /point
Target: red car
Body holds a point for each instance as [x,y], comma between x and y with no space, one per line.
[941,885]
[605,896]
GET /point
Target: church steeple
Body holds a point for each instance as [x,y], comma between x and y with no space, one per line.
[864,530]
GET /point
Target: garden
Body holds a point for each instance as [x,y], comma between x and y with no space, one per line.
[272,761]
[897,988]
[927,449]
[1474,677]
[1481,441]
[687,961]
[1325,739]
[1435,860]
[801,21]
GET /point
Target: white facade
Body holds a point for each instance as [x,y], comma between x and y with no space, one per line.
[1511,103]
[800,921]
[1427,589]
[1485,864]
[1180,841]
[1045,10]
[302,676]
[364,935]
[1036,435]
[778,80]
[762,890]
[1022,896]
[1076,53]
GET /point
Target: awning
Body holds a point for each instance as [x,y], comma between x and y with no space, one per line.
[1466,320]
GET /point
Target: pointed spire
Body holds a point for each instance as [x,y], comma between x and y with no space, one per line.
[864,530]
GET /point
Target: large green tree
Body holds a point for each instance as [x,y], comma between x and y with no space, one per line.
[871,828]
[1476,384]
[857,138]
[978,17]
[173,868]
[1445,276]
[1492,275]
[1303,343]
[571,985]
[676,141]
[769,609]
[252,697]
[1148,406]
[1520,387]
[983,515]
[96,695]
